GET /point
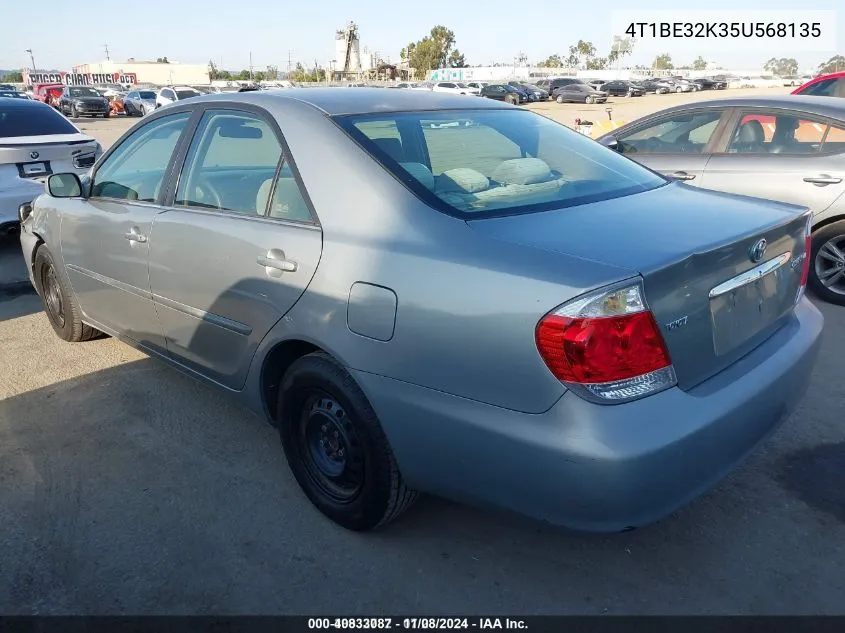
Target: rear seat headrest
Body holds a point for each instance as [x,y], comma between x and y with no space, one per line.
[462,180]
[522,171]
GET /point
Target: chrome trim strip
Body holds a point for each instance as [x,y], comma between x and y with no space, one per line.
[750,276]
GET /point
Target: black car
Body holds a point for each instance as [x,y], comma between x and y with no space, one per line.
[621,88]
[579,93]
[83,101]
[535,93]
[501,92]
[12,94]
[657,85]
[711,84]
[559,82]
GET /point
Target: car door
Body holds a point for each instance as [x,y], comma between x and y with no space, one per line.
[799,158]
[105,238]
[236,247]
[676,144]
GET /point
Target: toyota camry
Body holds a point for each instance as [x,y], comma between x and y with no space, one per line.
[429,293]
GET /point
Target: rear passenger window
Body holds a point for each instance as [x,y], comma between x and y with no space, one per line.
[777,133]
[834,142]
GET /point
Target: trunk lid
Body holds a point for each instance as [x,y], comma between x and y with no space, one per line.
[39,156]
[686,243]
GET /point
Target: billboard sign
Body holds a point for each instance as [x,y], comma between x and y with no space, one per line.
[79,79]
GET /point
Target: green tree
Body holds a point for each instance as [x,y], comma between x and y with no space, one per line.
[432,51]
[457,60]
[662,62]
[13,76]
[552,61]
[580,53]
[782,67]
[832,65]
[699,64]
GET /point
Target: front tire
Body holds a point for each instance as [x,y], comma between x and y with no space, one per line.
[336,448]
[559,99]
[60,304]
[827,267]
[589,100]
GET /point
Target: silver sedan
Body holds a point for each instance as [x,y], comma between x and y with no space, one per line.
[425,292]
[785,148]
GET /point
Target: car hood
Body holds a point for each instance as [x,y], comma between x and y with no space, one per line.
[88,99]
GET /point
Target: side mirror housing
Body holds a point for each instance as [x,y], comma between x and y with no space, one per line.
[611,142]
[65,185]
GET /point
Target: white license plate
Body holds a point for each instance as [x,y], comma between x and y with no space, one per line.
[33,169]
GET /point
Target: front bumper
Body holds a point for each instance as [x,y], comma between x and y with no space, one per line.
[598,467]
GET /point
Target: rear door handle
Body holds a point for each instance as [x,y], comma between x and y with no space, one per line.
[275,263]
[681,175]
[823,179]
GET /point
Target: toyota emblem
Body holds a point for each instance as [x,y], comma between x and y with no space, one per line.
[757,250]
[34,155]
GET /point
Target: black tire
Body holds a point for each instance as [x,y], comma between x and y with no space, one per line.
[336,448]
[822,263]
[74,113]
[559,99]
[59,302]
[106,115]
[590,100]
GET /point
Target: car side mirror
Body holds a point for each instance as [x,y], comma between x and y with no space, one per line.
[64,186]
[611,142]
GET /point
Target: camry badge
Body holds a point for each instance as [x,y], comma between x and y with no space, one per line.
[757,250]
[34,155]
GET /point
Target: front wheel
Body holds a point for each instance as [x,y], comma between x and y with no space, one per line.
[827,268]
[559,99]
[589,100]
[630,93]
[60,304]
[74,113]
[336,448]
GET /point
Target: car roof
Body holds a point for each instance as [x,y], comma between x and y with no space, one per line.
[823,106]
[836,75]
[16,102]
[337,101]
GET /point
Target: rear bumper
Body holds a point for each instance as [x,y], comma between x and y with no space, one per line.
[11,199]
[595,467]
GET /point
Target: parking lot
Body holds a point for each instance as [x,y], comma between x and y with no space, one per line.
[126,487]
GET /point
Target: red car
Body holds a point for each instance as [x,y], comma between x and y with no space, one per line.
[832,85]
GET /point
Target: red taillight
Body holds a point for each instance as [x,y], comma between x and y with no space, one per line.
[608,343]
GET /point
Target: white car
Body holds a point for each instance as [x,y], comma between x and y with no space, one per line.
[478,85]
[172,94]
[413,85]
[455,88]
[35,141]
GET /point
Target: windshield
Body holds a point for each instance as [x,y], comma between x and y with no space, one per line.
[187,94]
[84,92]
[33,120]
[496,162]
[460,85]
[146,94]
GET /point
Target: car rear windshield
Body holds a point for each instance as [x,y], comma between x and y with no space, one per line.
[187,94]
[146,94]
[84,92]
[496,162]
[33,120]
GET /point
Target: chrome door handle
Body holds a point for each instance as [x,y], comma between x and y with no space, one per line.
[823,179]
[681,175]
[275,263]
[135,236]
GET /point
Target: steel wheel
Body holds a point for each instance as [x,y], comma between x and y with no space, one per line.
[331,449]
[830,264]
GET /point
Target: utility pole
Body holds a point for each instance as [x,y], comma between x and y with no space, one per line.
[32,57]
[107,52]
[251,77]
[290,52]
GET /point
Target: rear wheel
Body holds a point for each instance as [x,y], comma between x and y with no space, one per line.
[60,304]
[559,99]
[336,447]
[827,269]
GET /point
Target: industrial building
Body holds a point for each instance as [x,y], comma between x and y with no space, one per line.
[149,72]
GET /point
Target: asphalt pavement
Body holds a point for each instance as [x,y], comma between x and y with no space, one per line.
[126,487]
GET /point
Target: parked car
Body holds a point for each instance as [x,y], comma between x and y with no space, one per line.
[78,101]
[646,340]
[622,88]
[171,94]
[711,83]
[524,95]
[36,141]
[559,82]
[679,84]
[595,83]
[454,87]
[139,102]
[535,93]
[657,85]
[501,92]
[413,85]
[48,93]
[796,80]
[786,148]
[832,85]
[12,94]
[8,88]
[478,84]
[579,93]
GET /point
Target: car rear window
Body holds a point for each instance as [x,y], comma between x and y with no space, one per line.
[496,162]
[33,119]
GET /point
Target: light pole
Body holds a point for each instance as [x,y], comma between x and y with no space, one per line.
[32,58]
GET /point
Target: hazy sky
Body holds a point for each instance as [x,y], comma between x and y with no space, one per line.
[226,32]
